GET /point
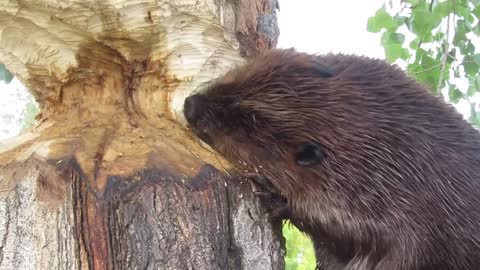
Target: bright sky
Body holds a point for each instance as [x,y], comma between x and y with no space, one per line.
[13,100]
[312,26]
[317,26]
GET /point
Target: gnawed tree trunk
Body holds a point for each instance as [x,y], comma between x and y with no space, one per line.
[99,182]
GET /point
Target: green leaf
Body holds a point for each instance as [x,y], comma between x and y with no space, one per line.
[413,68]
[460,33]
[476,11]
[470,47]
[438,36]
[466,46]
[424,21]
[399,20]
[5,75]
[395,51]
[476,29]
[473,85]
[476,58]
[471,18]
[474,115]
[456,72]
[462,2]
[426,69]
[415,2]
[454,94]
[451,55]
[381,20]
[392,43]
[468,25]
[392,38]
[413,45]
[462,10]
[408,23]
[470,66]
[300,252]
[442,9]
[471,91]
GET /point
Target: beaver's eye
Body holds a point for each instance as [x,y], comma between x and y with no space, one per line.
[309,154]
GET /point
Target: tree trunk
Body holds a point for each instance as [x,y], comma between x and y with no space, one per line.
[102,182]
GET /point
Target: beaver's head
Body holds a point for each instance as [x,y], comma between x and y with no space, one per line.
[299,118]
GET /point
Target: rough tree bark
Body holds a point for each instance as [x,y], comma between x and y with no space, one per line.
[99,182]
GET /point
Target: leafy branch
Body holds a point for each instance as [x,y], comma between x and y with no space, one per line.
[441,52]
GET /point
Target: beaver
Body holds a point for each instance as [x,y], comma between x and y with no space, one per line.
[378,171]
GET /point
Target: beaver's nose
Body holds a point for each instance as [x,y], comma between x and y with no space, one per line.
[193,107]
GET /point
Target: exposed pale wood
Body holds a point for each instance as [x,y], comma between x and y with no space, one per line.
[99,182]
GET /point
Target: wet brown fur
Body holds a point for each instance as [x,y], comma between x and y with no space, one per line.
[399,187]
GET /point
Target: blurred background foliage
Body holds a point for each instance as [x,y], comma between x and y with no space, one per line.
[437,43]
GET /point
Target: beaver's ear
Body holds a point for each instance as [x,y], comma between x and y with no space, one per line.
[321,69]
[309,154]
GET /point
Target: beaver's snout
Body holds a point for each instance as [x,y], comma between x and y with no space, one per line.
[193,108]
[195,111]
